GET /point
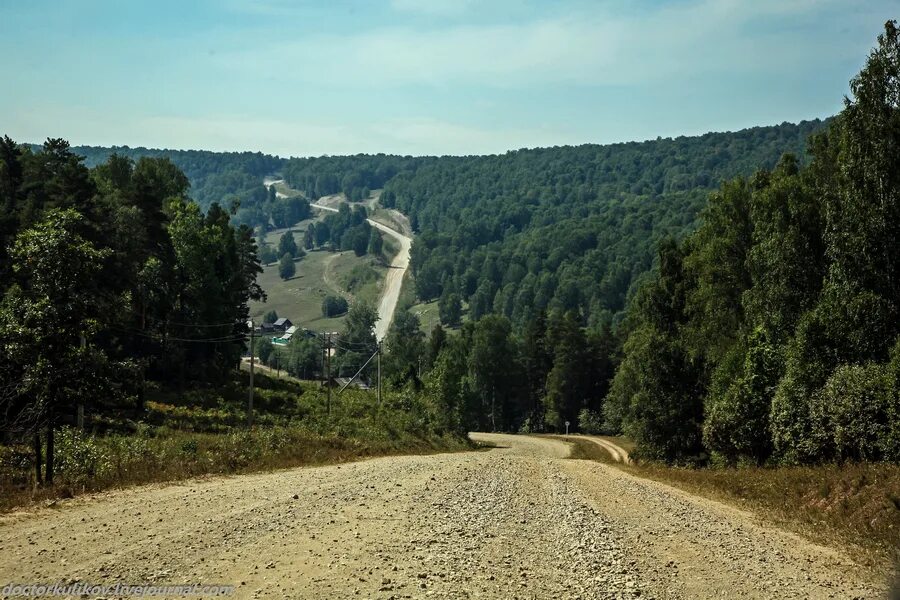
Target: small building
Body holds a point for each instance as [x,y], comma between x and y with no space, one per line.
[282,324]
[267,328]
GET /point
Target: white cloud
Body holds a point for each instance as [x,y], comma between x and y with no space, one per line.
[600,47]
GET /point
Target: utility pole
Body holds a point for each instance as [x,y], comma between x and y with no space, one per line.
[328,369]
[379,373]
[250,398]
[79,415]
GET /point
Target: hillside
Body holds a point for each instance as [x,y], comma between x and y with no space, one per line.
[564,228]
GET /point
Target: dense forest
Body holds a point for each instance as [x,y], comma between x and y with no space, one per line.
[234,180]
[567,228]
[111,277]
[770,333]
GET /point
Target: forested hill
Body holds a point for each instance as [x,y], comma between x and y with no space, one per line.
[563,228]
[221,177]
[568,228]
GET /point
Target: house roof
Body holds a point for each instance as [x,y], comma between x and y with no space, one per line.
[282,321]
[291,329]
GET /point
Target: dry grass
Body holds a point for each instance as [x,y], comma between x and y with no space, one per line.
[855,504]
[583,449]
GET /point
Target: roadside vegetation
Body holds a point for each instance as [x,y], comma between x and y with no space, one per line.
[204,432]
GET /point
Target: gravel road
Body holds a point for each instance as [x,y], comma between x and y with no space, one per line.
[393,281]
[519,521]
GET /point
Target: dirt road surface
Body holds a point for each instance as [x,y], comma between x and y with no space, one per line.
[519,521]
[393,281]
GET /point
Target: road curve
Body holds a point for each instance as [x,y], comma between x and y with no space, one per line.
[617,453]
[516,521]
[393,281]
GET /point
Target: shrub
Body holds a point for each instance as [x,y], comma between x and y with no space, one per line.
[853,412]
[590,421]
[333,306]
[736,424]
[79,458]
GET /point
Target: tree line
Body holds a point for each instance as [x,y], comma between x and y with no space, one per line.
[771,333]
[234,180]
[110,277]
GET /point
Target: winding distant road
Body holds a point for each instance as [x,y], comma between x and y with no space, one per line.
[387,304]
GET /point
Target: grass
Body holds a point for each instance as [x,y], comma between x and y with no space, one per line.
[851,504]
[855,504]
[428,315]
[583,449]
[203,432]
[391,219]
[320,273]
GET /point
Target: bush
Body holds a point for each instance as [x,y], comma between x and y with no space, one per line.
[738,405]
[853,412]
[79,458]
[333,306]
[286,267]
[359,276]
[590,421]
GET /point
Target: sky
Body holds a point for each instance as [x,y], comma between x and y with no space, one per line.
[305,78]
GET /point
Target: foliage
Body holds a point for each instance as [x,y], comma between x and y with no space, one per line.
[287,245]
[778,315]
[286,266]
[264,349]
[333,306]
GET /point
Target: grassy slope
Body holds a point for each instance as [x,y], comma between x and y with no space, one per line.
[429,316]
[319,273]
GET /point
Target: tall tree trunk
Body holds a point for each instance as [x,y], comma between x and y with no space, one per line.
[38,459]
[50,447]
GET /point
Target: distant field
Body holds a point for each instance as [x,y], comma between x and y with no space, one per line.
[319,274]
[429,316]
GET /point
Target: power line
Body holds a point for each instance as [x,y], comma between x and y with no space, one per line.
[124,306]
[221,339]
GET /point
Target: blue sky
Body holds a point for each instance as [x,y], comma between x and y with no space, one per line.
[421,77]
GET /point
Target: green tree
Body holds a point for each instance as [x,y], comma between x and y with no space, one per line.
[309,238]
[264,349]
[375,243]
[333,306]
[287,245]
[405,345]
[495,373]
[267,254]
[286,266]
[304,357]
[436,342]
[271,316]
[44,321]
[450,308]
[567,381]
[358,342]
